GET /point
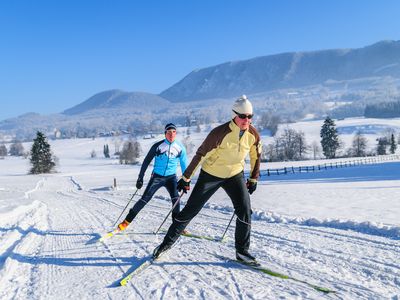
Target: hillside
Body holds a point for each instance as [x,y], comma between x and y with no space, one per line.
[287,70]
[117,99]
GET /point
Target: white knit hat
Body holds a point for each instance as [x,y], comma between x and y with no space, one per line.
[242,106]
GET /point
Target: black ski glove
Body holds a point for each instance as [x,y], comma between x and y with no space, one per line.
[251,186]
[139,183]
[183,185]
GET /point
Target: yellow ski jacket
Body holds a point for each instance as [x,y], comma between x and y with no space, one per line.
[223,152]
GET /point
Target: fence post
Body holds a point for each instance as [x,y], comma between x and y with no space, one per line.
[115,183]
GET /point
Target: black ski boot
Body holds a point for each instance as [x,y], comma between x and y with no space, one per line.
[160,249]
[246,258]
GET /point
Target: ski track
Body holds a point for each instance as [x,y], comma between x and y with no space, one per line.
[18,239]
[46,252]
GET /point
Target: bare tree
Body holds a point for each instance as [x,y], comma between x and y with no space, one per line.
[301,145]
[130,152]
[359,145]
[117,143]
[316,149]
[288,141]
[269,121]
[270,153]
[16,149]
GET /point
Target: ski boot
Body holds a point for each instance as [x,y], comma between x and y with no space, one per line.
[160,249]
[246,258]
[122,226]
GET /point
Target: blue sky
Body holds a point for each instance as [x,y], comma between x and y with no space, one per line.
[56,54]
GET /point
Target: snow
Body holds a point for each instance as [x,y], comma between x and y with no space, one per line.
[371,128]
[338,228]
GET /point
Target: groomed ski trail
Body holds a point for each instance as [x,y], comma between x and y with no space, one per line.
[46,254]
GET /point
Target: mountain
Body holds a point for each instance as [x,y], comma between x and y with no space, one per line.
[117,99]
[105,111]
[291,85]
[287,70]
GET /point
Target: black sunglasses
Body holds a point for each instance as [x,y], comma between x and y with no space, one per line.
[243,116]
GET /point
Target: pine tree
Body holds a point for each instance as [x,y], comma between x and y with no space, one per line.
[393,145]
[329,138]
[381,149]
[41,157]
[106,151]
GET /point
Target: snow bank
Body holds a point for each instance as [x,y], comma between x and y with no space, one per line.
[371,228]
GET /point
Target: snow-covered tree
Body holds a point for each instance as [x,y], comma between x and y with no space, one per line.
[130,152]
[198,128]
[290,145]
[189,145]
[329,138]
[359,145]
[41,156]
[106,151]
[316,149]
[16,149]
[270,122]
[3,150]
[381,148]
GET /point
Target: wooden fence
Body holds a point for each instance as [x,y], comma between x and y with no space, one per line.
[332,165]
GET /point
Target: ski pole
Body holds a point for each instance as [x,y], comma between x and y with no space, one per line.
[125,207]
[175,204]
[229,224]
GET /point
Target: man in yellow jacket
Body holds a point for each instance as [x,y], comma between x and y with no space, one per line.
[222,157]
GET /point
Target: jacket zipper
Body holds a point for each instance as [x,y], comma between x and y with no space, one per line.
[169,152]
[240,137]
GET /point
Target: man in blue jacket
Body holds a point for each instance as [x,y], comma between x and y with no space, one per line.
[167,154]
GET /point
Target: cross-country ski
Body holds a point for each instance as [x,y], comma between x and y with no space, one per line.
[259,267]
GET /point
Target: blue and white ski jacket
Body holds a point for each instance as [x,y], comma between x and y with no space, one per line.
[167,155]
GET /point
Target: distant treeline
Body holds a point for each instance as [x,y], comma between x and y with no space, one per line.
[383,110]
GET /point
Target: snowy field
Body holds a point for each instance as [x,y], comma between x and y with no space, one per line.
[338,228]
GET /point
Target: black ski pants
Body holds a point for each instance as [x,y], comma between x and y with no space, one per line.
[204,188]
[155,183]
